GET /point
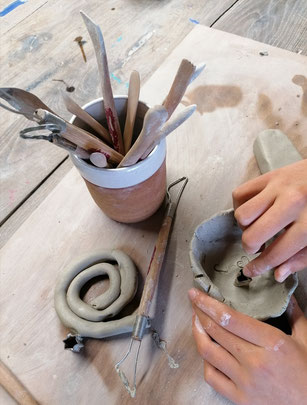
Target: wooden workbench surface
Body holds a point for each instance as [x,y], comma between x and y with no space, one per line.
[41,235]
[37,46]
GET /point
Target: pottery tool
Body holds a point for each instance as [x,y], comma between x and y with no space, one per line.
[169,127]
[34,109]
[76,135]
[154,118]
[187,72]
[75,109]
[94,319]
[109,107]
[23,102]
[14,387]
[155,264]
[133,100]
[99,159]
[54,138]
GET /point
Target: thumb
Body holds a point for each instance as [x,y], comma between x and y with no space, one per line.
[297,320]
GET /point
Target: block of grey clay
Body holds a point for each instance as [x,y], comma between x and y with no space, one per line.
[273,149]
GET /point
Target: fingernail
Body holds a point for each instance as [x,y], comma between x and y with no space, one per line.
[198,325]
[247,271]
[192,293]
[283,272]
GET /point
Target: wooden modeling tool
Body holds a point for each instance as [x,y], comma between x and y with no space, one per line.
[154,118]
[75,109]
[109,107]
[98,159]
[187,72]
[78,136]
[155,264]
[170,126]
[133,101]
[14,387]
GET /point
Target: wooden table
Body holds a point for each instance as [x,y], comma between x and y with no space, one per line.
[47,214]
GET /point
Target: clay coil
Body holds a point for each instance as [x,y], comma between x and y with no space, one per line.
[95,319]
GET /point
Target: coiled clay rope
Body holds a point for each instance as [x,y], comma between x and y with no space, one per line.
[94,319]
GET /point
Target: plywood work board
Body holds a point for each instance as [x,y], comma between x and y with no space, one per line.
[239,94]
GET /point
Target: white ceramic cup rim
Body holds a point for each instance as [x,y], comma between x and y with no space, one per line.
[124,176]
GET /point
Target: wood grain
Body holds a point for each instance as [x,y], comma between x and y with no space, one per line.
[37,49]
[242,93]
[275,22]
[13,386]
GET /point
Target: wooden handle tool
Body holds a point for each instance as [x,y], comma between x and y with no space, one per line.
[151,281]
[109,107]
[133,101]
[154,118]
[98,159]
[187,72]
[170,126]
[75,109]
[14,387]
[78,136]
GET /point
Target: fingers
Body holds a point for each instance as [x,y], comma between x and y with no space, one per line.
[277,217]
[253,208]
[214,353]
[236,347]
[241,325]
[220,382]
[295,263]
[288,244]
[297,320]
[249,189]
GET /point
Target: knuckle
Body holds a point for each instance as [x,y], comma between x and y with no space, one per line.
[240,217]
[236,194]
[297,197]
[249,243]
[258,365]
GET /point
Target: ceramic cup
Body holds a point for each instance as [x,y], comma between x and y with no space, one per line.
[128,194]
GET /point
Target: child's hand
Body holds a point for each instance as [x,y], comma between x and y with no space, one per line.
[250,362]
[266,205]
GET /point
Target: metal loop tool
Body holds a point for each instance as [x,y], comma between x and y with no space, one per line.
[142,317]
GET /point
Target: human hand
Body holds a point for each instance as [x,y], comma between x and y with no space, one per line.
[263,207]
[251,362]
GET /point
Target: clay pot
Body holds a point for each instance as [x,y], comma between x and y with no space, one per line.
[217,256]
[128,194]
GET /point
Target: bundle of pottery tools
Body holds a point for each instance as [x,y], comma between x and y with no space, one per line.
[105,147]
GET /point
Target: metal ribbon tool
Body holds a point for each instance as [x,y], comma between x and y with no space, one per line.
[142,317]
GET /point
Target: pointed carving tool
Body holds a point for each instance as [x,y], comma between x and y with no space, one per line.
[109,107]
[75,109]
[155,264]
[154,118]
[187,72]
[133,101]
[170,126]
